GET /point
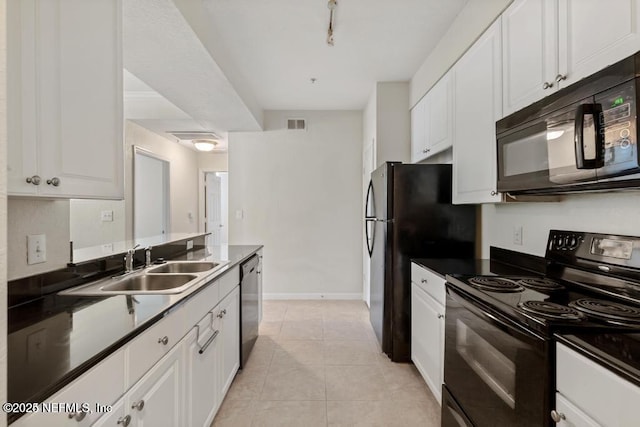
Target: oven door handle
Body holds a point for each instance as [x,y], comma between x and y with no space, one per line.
[581,162]
[510,329]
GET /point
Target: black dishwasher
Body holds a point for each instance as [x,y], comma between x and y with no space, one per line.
[248,307]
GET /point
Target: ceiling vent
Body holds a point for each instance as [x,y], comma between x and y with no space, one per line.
[296,124]
[188,136]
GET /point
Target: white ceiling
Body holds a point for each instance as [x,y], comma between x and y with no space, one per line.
[222,62]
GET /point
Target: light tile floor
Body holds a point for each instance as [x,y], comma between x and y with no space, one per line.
[317,363]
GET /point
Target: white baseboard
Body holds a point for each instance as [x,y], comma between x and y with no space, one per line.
[355,296]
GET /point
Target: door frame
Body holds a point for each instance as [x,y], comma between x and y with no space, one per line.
[166,185]
[202,175]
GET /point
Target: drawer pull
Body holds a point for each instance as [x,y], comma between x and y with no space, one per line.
[209,341]
[124,421]
[139,405]
[164,340]
[78,416]
[557,416]
[222,313]
[424,281]
[35,180]
[440,316]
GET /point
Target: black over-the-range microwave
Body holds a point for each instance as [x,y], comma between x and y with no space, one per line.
[582,138]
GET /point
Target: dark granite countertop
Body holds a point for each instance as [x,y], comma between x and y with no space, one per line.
[616,351]
[54,339]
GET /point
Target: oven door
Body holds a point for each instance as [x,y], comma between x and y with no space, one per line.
[557,150]
[498,373]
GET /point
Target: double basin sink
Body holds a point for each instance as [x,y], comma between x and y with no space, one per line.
[170,278]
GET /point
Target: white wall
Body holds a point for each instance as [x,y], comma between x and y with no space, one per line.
[615,213]
[218,162]
[86,226]
[3,207]
[473,19]
[34,216]
[300,192]
[183,177]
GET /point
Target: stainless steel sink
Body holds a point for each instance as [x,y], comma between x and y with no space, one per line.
[184,267]
[150,284]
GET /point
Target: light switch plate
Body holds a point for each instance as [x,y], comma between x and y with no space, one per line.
[517,235]
[36,249]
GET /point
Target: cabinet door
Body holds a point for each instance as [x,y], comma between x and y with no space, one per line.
[594,34]
[157,399]
[115,418]
[229,315]
[529,52]
[439,110]
[427,338]
[571,415]
[477,87]
[201,374]
[419,117]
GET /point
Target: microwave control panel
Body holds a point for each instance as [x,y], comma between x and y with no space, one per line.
[618,123]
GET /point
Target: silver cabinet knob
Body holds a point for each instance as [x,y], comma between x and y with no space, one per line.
[424,281]
[78,416]
[164,340]
[494,193]
[124,421]
[561,77]
[557,416]
[139,405]
[547,85]
[426,150]
[440,316]
[35,180]
[55,181]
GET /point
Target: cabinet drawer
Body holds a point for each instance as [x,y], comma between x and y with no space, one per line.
[229,281]
[610,400]
[572,416]
[103,384]
[201,303]
[430,282]
[150,345]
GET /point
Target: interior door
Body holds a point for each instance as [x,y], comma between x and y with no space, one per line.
[213,205]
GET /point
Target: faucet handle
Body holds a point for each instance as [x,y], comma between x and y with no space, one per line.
[133,249]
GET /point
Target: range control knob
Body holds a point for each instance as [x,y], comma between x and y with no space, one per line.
[559,240]
[573,242]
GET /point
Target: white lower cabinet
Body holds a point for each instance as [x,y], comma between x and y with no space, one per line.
[229,315]
[571,415]
[427,329]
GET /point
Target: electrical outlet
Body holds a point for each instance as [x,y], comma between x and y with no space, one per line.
[106,216]
[517,235]
[239,214]
[36,249]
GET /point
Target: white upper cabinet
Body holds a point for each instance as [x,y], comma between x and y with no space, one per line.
[65,98]
[477,104]
[550,44]
[529,52]
[594,34]
[431,121]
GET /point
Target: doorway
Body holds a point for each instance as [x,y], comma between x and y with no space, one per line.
[216,196]
[150,195]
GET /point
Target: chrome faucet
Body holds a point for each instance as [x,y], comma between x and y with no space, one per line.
[128,259]
[147,256]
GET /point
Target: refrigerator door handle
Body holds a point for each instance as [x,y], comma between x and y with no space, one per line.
[369,218]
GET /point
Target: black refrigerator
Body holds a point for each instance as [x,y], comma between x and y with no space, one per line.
[409,215]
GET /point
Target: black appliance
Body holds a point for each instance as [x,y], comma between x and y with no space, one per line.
[499,330]
[249,306]
[409,215]
[584,137]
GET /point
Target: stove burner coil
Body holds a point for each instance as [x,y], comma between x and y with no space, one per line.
[540,284]
[495,284]
[551,310]
[608,311]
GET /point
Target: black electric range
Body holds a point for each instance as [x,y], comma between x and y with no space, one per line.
[499,330]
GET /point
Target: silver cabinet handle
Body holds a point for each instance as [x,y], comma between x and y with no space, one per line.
[78,416]
[440,316]
[125,421]
[139,405]
[35,180]
[494,193]
[55,181]
[557,416]
[547,85]
[426,150]
[561,77]
[424,281]
[222,313]
[209,341]
[164,340]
